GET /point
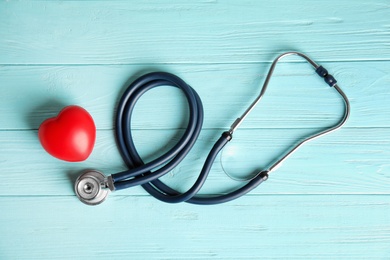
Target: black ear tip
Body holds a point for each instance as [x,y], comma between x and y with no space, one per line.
[330,80]
[321,71]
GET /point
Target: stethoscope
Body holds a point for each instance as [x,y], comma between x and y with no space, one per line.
[92,187]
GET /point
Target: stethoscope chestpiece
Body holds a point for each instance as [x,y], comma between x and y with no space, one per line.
[92,187]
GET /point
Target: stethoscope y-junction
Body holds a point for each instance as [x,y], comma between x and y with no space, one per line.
[92,187]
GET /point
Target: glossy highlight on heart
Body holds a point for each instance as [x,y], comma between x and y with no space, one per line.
[70,136]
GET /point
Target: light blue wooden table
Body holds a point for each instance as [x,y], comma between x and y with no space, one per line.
[330,200]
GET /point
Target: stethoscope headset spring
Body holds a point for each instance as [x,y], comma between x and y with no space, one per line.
[92,187]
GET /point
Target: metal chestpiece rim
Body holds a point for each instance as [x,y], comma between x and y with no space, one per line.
[91,187]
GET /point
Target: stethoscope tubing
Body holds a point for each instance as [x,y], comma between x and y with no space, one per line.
[144,174]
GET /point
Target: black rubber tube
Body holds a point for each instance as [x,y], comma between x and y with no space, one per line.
[147,174]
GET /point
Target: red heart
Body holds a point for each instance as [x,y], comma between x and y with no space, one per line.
[70,136]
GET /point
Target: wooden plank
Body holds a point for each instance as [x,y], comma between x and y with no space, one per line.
[296,97]
[122,32]
[330,200]
[351,161]
[340,227]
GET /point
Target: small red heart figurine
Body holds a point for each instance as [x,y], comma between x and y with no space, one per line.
[70,136]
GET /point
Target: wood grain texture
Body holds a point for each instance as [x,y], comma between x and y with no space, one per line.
[351,161]
[330,200]
[266,227]
[119,32]
[33,93]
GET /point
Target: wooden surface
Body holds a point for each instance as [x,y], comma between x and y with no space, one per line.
[330,200]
